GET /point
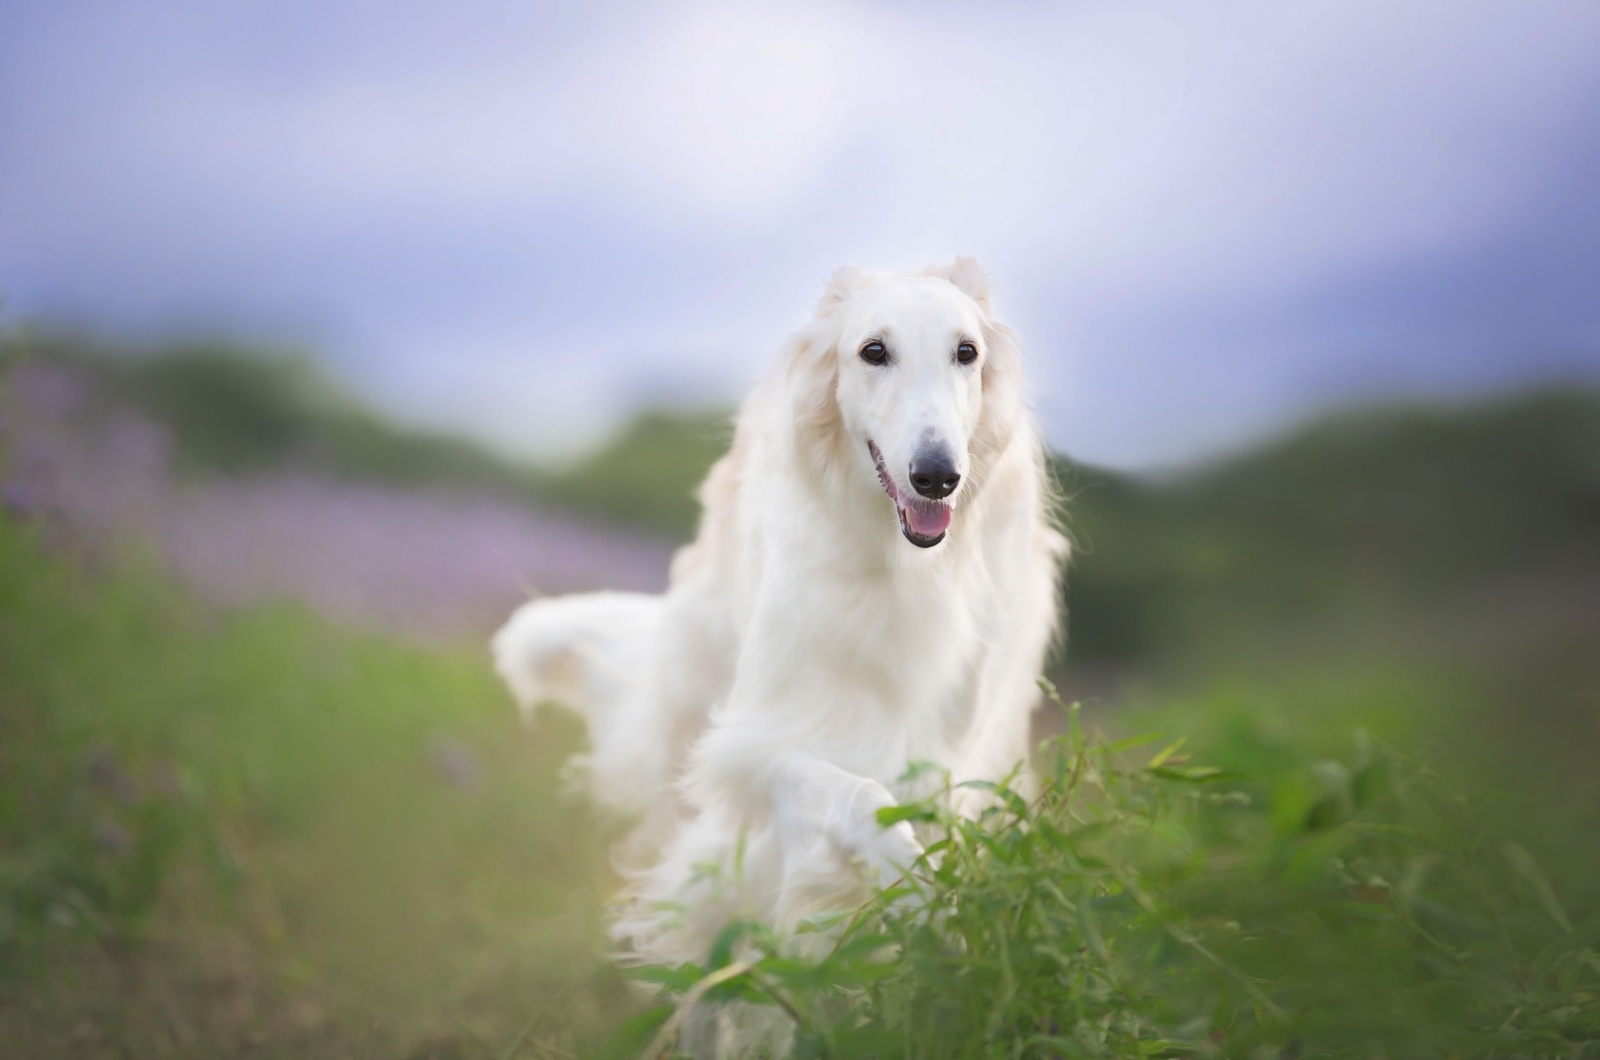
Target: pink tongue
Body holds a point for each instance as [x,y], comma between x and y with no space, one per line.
[928,519]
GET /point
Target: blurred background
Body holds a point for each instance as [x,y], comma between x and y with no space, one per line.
[331,331]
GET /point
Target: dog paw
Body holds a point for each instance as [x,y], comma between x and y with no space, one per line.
[888,852]
[894,853]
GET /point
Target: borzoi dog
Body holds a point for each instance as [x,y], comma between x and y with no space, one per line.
[874,583]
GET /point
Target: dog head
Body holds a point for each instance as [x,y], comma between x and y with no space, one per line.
[907,379]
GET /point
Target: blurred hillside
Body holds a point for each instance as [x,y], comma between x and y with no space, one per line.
[236,411]
[253,483]
[1493,507]
[1441,515]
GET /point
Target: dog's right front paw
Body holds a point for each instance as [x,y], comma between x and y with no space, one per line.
[894,853]
[888,852]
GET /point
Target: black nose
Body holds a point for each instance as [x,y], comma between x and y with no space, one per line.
[933,472]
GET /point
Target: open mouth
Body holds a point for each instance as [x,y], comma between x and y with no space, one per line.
[921,520]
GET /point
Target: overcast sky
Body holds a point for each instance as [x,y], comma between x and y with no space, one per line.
[524,220]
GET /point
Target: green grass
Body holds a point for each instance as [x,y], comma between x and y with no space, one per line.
[255,833]
[1145,905]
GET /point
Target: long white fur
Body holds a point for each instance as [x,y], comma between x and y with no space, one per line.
[756,716]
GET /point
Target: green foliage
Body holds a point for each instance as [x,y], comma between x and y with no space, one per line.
[1143,905]
[647,475]
[254,832]
[1368,514]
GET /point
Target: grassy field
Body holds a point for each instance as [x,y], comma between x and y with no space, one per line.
[254,834]
[249,832]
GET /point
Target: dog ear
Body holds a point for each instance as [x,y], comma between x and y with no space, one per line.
[812,360]
[1003,397]
[968,277]
[845,281]
[812,379]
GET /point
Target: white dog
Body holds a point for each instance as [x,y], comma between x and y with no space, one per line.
[874,584]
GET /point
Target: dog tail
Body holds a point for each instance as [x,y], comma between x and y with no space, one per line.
[586,652]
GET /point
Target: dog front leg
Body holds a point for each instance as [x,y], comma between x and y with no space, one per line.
[851,821]
[824,817]
[833,848]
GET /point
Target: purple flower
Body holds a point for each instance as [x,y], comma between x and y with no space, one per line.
[16,498]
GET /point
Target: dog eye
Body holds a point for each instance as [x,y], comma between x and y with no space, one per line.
[966,353]
[874,352]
